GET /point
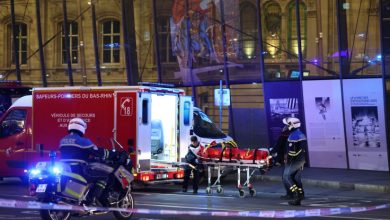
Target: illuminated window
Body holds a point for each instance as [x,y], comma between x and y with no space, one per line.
[271,28]
[248,27]
[73,43]
[292,29]
[111,41]
[21,43]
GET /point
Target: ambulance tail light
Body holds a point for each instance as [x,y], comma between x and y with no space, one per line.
[145,178]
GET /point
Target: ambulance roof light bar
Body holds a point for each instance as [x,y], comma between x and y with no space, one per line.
[154,84]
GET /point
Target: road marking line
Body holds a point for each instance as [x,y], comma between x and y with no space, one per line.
[191,195]
[189,207]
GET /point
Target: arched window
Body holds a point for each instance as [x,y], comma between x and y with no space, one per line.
[21,43]
[272,28]
[164,37]
[292,28]
[73,43]
[248,24]
[111,41]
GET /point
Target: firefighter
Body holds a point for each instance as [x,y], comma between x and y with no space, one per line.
[296,148]
[193,165]
[79,151]
[279,153]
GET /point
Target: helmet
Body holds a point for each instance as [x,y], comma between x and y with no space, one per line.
[292,122]
[77,124]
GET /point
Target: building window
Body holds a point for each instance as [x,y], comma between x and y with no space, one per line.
[248,27]
[73,43]
[21,43]
[111,41]
[271,29]
[164,37]
[292,29]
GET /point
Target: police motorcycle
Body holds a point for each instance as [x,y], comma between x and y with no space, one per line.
[54,182]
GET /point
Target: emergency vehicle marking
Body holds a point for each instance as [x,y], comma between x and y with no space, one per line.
[126,106]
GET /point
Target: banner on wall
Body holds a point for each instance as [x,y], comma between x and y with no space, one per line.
[324,123]
[365,124]
[284,100]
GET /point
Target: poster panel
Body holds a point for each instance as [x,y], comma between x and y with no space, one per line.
[324,123]
[284,100]
[365,124]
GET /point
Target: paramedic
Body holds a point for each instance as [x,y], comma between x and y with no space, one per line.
[296,148]
[79,152]
[193,165]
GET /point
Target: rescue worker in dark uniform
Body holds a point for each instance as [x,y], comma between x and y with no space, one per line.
[193,165]
[81,153]
[296,148]
[279,153]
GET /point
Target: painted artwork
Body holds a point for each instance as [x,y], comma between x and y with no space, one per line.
[204,53]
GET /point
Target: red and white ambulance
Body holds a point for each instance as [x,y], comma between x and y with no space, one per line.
[155,122]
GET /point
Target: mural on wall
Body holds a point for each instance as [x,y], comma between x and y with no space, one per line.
[365,124]
[206,48]
[324,123]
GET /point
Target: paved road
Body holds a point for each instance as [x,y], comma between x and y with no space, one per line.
[170,197]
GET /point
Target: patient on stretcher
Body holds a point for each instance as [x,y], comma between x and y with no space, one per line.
[229,152]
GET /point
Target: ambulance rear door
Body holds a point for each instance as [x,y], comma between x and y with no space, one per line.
[125,126]
[186,117]
[143,142]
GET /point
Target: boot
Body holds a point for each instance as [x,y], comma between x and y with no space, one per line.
[298,199]
[95,193]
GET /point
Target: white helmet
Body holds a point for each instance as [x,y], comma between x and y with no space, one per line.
[77,124]
[292,122]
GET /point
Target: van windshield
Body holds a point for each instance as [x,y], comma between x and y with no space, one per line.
[204,127]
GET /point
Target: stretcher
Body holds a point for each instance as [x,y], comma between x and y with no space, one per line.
[228,155]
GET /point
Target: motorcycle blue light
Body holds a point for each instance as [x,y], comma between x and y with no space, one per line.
[56,170]
[35,172]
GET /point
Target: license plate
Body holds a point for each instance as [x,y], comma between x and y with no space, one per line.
[41,188]
[161,176]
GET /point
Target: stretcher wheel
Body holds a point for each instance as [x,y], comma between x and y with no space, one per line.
[252,192]
[241,193]
[220,189]
[208,191]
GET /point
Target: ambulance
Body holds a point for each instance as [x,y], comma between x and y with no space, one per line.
[154,123]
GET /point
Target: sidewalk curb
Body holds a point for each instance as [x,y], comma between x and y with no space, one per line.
[332,184]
